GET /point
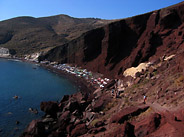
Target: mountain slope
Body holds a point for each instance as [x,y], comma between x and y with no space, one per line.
[125,43]
[120,108]
[27,34]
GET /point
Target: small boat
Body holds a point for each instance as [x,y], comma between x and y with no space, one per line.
[35,111]
[15,97]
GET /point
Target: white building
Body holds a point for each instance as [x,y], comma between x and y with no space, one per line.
[4,52]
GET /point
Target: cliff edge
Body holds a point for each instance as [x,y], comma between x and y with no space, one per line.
[112,49]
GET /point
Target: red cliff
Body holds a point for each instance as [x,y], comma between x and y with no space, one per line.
[125,43]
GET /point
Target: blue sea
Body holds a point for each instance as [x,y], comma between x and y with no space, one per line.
[32,84]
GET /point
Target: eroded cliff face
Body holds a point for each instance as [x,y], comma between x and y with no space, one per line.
[125,43]
[156,37]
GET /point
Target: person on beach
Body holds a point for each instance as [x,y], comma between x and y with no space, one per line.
[112,92]
[145,99]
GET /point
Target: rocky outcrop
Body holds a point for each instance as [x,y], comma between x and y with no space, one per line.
[70,117]
[148,125]
[126,130]
[127,113]
[35,128]
[49,107]
[79,130]
[61,119]
[126,43]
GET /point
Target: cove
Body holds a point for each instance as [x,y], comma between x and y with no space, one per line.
[32,84]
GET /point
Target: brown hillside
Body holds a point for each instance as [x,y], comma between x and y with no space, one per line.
[27,34]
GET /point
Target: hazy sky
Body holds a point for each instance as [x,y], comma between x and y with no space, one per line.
[106,9]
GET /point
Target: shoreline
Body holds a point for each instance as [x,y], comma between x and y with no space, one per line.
[81,84]
[76,105]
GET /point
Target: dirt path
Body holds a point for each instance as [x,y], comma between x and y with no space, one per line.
[176,126]
[158,108]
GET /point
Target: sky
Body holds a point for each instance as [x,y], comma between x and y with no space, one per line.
[104,9]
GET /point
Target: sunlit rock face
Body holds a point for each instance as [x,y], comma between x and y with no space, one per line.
[125,43]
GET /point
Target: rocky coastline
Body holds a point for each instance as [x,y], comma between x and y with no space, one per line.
[70,108]
[96,112]
[74,104]
[146,54]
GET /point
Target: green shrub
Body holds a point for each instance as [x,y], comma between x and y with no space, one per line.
[94,122]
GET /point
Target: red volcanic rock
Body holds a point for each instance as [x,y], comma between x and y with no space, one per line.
[167,130]
[69,128]
[63,121]
[179,115]
[126,130]
[99,124]
[64,116]
[98,105]
[169,19]
[88,115]
[96,130]
[79,96]
[148,125]
[72,106]
[138,74]
[83,105]
[152,69]
[125,43]
[79,130]
[50,107]
[35,128]
[124,114]
[65,98]
[57,134]
[137,80]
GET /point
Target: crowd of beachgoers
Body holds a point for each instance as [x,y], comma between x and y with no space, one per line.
[97,80]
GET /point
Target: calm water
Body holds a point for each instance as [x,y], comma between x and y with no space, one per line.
[33,86]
